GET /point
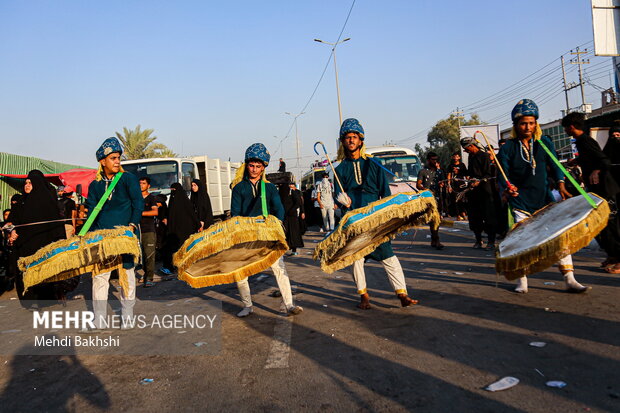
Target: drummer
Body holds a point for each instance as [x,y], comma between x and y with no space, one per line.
[123,207]
[364,182]
[526,163]
[246,202]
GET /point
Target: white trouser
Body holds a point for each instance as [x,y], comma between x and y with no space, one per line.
[101,285]
[327,212]
[566,263]
[284,285]
[392,268]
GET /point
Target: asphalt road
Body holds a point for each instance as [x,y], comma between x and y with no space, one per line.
[468,331]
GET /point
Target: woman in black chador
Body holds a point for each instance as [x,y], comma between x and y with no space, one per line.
[38,204]
[202,204]
[292,204]
[182,222]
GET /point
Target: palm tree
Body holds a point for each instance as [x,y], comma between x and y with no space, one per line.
[140,144]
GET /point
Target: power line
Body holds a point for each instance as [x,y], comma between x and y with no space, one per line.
[322,74]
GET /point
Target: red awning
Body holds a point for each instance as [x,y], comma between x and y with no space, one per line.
[73,177]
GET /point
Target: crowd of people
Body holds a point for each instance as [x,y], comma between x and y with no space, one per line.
[490,200]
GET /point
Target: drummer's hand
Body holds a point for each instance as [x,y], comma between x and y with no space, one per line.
[594,177]
[512,191]
[202,226]
[346,201]
[13,237]
[474,184]
[563,192]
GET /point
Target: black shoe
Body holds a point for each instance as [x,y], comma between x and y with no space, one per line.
[478,245]
[490,246]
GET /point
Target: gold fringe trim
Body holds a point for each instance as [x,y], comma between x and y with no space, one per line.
[97,257]
[224,235]
[240,174]
[541,257]
[341,152]
[421,211]
[99,174]
[537,132]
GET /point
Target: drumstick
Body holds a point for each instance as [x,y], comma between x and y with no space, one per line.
[496,160]
[330,164]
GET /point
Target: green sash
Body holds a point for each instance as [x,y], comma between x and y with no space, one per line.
[569,176]
[263,198]
[92,215]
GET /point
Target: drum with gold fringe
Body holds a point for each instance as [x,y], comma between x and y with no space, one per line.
[96,252]
[552,233]
[362,230]
[230,251]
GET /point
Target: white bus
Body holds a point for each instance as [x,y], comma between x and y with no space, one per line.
[402,162]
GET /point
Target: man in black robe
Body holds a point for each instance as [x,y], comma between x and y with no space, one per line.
[480,204]
[598,178]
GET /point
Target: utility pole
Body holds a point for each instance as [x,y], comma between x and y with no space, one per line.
[295,116]
[459,116]
[334,45]
[579,61]
[565,85]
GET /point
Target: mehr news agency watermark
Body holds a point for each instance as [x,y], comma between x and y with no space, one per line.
[84,322]
[191,326]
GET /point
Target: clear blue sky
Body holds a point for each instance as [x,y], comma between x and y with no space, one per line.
[212,77]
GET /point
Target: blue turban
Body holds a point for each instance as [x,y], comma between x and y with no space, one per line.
[108,146]
[351,125]
[525,107]
[257,151]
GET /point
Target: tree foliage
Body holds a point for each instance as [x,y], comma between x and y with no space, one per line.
[140,144]
[444,137]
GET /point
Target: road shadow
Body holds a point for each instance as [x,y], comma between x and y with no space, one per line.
[51,384]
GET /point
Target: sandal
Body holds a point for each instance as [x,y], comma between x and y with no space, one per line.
[608,262]
[613,269]
[149,284]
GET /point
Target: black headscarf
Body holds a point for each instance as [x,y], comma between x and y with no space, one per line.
[39,205]
[202,204]
[182,219]
[289,202]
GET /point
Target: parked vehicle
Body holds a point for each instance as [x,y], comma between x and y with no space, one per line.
[402,162]
[163,172]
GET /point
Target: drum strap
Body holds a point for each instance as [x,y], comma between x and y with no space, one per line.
[95,212]
[263,198]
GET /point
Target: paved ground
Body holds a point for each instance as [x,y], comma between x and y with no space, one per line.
[468,331]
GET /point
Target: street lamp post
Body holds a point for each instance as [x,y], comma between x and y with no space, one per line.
[336,70]
[295,116]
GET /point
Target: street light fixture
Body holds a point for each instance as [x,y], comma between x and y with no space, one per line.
[336,70]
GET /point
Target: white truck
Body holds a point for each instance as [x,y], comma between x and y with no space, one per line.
[163,172]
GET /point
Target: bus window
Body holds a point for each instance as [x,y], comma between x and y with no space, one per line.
[162,173]
[189,174]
